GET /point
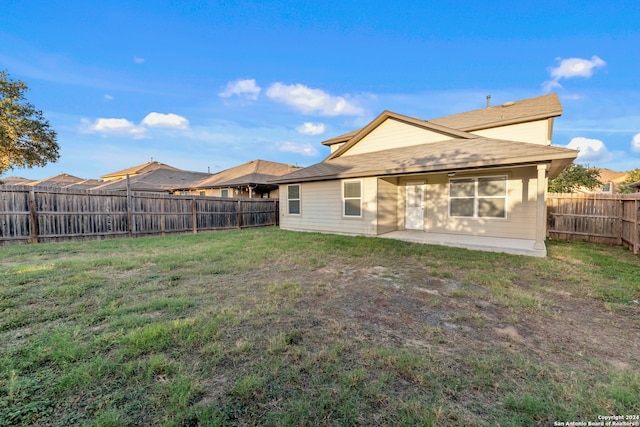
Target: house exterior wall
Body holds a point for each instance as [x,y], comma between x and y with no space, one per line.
[394,134]
[521,207]
[321,209]
[533,132]
[387,200]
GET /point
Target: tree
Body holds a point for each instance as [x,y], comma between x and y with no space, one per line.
[26,140]
[575,177]
[632,176]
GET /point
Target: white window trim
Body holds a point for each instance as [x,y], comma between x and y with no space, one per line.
[299,199]
[476,198]
[344,199]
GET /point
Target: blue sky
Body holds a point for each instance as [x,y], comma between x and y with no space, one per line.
[210,85]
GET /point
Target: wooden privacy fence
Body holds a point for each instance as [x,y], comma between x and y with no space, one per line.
[31,214]
[612,219]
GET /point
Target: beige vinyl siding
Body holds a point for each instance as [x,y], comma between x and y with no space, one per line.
[336,147]
[521,212]
[532,132]
[387,205]
[393,134]
[322,209]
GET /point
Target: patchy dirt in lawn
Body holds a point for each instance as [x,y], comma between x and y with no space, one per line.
[409,308]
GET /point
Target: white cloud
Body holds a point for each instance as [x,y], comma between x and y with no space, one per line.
[138,60]
[590,150]
[635,143]
[304,149]
[108,97]
[116,127]
[308,100]
[111,126]
[308,128]
[247,89]
[172,121]
[570,68]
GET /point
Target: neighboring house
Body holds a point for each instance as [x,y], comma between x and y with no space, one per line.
[15,180]
[137,170]
[611,180]
[159,180]
[635,185]
[476,179]
[250,180]
[61,180]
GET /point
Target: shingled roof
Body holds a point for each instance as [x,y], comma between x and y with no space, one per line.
[451,155]
[512,112]
[157,180]
[137,170]
[253,172]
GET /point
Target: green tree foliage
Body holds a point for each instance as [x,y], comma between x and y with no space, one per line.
[26,140]
[575,177]
[632,176]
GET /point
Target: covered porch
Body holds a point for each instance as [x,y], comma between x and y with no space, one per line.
[478,243]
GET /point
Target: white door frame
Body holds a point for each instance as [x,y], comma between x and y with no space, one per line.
[414,206]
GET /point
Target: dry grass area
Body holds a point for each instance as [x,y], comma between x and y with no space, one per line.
[271,327]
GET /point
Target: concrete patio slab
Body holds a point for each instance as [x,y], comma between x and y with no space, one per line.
[478,243]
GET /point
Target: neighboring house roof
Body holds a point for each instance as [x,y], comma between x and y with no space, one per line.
[513,112]
[608,175]
[635,185]
[255,172]
[60,180]
[157,180]
[451,155]
[137,170]
[15,180]
[86,184]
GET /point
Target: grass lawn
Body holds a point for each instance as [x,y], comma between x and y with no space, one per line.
[269,327]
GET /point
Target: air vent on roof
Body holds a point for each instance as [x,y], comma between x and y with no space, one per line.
[508,104]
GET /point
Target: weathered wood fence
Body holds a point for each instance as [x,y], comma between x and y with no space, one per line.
[612,219]
[31,214]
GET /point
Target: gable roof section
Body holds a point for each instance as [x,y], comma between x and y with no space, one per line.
[608,175]
[60,180]
[136,170]
[538,108]
[385,115]
[15,180]
[158,180]
[451,155]
[251,173]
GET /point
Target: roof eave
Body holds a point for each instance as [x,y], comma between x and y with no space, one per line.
[557,163]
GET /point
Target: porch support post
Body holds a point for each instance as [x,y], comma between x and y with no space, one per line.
[541,208]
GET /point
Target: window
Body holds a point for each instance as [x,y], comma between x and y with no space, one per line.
[224,192]
[352,198]
[484,197]
[606,188]
[293,199]
[202,192]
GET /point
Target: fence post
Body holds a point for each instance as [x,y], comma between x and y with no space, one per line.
[194,216]
[163,216]
[129,208]
[620,222]
[33,214]
[636,226]
[239,214]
